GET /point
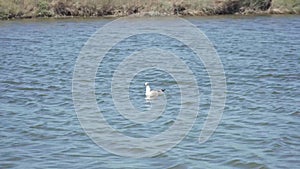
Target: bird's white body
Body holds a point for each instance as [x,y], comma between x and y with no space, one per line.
[152,93]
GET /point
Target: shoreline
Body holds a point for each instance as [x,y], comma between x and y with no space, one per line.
[145,16]
[114,9]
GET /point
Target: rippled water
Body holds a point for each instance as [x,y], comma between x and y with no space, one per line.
[260,124]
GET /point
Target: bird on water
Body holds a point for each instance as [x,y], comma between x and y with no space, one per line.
[152,93]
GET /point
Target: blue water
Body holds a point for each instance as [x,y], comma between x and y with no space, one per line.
[259,128]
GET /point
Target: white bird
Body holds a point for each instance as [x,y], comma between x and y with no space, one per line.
[152,93]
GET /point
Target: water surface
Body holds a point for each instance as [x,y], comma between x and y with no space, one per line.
[260,125]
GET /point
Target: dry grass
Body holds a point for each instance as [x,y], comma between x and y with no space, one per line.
[58,8]
[285,6]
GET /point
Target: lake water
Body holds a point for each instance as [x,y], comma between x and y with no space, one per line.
[39,127]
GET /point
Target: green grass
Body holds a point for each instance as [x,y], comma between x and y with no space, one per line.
[48,8]
[43,9]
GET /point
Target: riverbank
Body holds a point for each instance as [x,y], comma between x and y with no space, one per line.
[115,8]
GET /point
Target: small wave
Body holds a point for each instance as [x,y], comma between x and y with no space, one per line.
[238,163]
[296,113]
[178,166]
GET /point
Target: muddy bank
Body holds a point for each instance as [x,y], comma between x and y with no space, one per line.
[115,8]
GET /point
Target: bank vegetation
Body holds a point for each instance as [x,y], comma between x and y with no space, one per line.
[92,8]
